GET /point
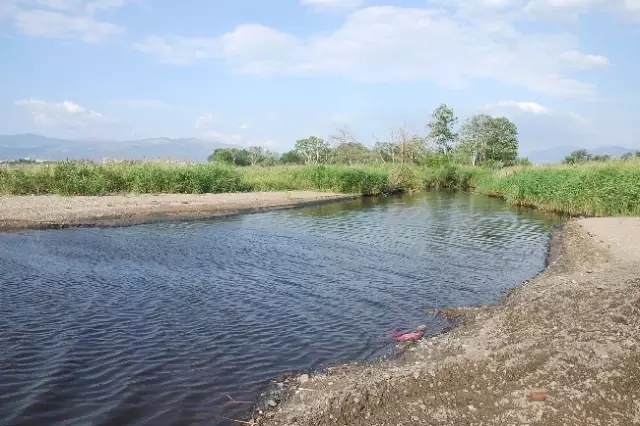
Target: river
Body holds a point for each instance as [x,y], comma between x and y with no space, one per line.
[160,324]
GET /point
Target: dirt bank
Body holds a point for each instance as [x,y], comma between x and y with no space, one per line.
[569,338]
[21,212]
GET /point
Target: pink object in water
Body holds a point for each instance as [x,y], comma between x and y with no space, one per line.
[407,337]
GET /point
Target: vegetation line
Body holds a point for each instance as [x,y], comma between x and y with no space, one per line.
[480,156]
[610,188]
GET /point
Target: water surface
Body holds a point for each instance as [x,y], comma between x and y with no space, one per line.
[158,324]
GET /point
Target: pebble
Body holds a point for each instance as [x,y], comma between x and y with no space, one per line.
[271,403]
[304,378]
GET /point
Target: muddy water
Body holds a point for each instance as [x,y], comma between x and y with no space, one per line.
[160,324]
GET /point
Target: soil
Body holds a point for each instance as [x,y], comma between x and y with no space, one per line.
[562,349]
[22,212]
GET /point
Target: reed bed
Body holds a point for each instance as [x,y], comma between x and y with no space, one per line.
[593,189]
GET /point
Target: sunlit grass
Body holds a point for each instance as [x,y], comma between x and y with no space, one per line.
[593,189]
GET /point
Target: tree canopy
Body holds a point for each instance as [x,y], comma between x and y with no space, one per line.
[480,140]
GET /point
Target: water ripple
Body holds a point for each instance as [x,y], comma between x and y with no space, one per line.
[157,324]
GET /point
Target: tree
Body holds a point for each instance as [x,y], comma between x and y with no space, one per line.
[292,157]
[503,141]
[474,136]
[313,149]
[256,154]
[270,158]
[601,158]
[386,151]
[577,157]
[489,140]
[351,153]
[627,156]
[238,157]
[441,127]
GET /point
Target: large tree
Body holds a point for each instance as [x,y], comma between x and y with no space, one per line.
[351,153]
[292,157]
[578,156]
[441,126]
[486,139]
[256,154]
[239,157]
[313,149]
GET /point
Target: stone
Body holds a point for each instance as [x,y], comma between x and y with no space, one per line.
[271,403]
[304,378]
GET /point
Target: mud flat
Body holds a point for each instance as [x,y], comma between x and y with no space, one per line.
[562,349]
[23,212]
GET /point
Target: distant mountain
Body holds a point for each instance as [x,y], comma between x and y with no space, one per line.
[557,154]
[45,148]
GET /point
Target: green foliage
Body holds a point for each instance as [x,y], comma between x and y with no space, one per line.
[630,155]
[523,161]
[291,157]
[491,141]
[594,189]
[69,178]
[313,150]
[351,153]
[356,180]
[449,177]
[578,157]
[601,158]
[231,156]
[443,120]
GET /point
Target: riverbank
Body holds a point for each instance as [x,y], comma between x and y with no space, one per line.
[609,188]
[563,349]
[53,211]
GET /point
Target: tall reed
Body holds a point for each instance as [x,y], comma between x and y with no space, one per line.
[594,189]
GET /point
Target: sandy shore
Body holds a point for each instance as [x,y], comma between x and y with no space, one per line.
[22,212]
[563,349]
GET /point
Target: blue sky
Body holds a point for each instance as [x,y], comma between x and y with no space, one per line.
[270,72]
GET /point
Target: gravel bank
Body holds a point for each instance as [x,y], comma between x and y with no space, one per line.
[563,349]
[22,212]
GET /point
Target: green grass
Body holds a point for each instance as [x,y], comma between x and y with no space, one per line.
[69,178]
[595,189]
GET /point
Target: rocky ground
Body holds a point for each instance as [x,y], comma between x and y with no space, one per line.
[21,212]
[563,349]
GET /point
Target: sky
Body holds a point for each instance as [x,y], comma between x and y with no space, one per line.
[269,72]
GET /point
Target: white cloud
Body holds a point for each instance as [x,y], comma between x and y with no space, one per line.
[66,19]
[531,107]
[244,126]
[579,118]
[66,114]
[145,103]
[6,8]
[60,4]
[551,8]
[96,5]
[333,4]
[389,43]
[576,59]
[230,138]
[203,120]
[42,23]
[237,139]
[558,9]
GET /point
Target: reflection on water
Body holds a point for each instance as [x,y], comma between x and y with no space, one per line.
[157,324]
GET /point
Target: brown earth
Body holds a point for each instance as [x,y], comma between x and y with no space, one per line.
[21,212]
[563,349]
